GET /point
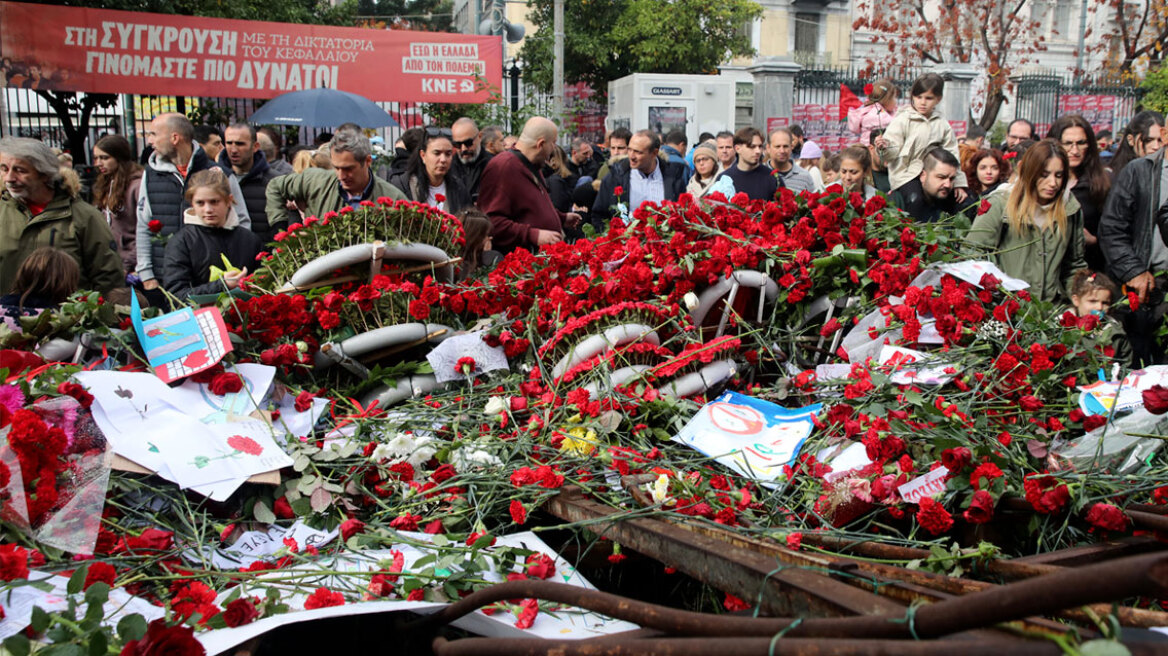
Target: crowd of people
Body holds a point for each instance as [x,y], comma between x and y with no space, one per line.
[1062,211]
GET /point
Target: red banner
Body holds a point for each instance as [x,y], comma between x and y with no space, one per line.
[104,51]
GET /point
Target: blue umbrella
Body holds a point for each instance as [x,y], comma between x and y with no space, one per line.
[322,108]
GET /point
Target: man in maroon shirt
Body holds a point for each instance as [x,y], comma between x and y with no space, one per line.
[515,197]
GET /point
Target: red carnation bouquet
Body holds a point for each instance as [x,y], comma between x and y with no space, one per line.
[54,470]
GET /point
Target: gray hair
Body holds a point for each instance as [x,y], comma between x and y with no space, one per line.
[34,152]
[466,120]
[180,125]
[351,141]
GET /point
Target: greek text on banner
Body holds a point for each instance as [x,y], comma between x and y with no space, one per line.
[104,51]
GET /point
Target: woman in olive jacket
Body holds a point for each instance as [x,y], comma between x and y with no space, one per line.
[1034,230]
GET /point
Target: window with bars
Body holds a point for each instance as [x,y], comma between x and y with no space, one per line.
[806,32]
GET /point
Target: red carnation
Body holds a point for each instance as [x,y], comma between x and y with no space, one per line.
[163,640]
[100,572]
[734,604]
[465,366]
[283,509]
[1107,517]
[1030,403]
[1156,399]
[956,459]
[983,208]
[618,191]
[13,562]
[527,613]
[239,612]
[155,226]
[77,392]
[1046,493]
[540,566]
[351,527]
[303,402]
[933,517]
[323,598]
[518,512]
[226,383]
[981,508]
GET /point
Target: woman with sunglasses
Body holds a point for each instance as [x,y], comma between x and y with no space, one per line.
[1089,180]
[427,176]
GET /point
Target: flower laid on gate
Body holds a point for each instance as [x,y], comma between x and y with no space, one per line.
[981,508]
[933,517]
[1107,517]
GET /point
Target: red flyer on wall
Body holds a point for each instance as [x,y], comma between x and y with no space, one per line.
[103,51]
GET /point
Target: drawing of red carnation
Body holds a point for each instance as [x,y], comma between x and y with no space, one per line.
[245,445]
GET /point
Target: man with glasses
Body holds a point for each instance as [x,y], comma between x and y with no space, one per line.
[243,162]
[1020,130]
[749,175]
[471,157]
[318,191]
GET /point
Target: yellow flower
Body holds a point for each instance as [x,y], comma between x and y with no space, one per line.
[579,440]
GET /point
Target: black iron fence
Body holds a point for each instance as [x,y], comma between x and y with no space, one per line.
[818,95]
[24,113]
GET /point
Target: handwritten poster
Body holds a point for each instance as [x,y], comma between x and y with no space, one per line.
[753,437]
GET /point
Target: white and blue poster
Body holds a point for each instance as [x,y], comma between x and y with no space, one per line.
[753,437]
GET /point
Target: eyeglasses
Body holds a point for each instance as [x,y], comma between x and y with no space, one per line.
[438,132]
[1077,145]
[465,143]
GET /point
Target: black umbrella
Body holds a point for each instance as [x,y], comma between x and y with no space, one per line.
[322,108]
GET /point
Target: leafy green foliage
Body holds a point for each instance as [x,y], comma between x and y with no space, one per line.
[317,12]
[1156,85]
[606,40]
[426,15]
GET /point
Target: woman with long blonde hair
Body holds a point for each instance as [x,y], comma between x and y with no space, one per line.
[1032,229]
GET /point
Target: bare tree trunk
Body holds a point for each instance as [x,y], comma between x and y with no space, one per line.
[992,107]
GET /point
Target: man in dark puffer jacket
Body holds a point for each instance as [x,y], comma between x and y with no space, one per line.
[175,159]
[244,162]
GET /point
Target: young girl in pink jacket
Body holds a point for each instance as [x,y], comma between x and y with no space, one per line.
[877,112]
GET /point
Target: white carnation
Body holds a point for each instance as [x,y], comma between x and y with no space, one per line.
[496,405]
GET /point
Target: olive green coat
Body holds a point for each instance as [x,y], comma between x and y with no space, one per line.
[1047,259]
[67,223]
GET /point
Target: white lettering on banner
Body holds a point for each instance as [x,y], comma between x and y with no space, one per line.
[924,486]
[444,66]
[434,85]
[286,77]
[186,40]
[112,63]
[445,50]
